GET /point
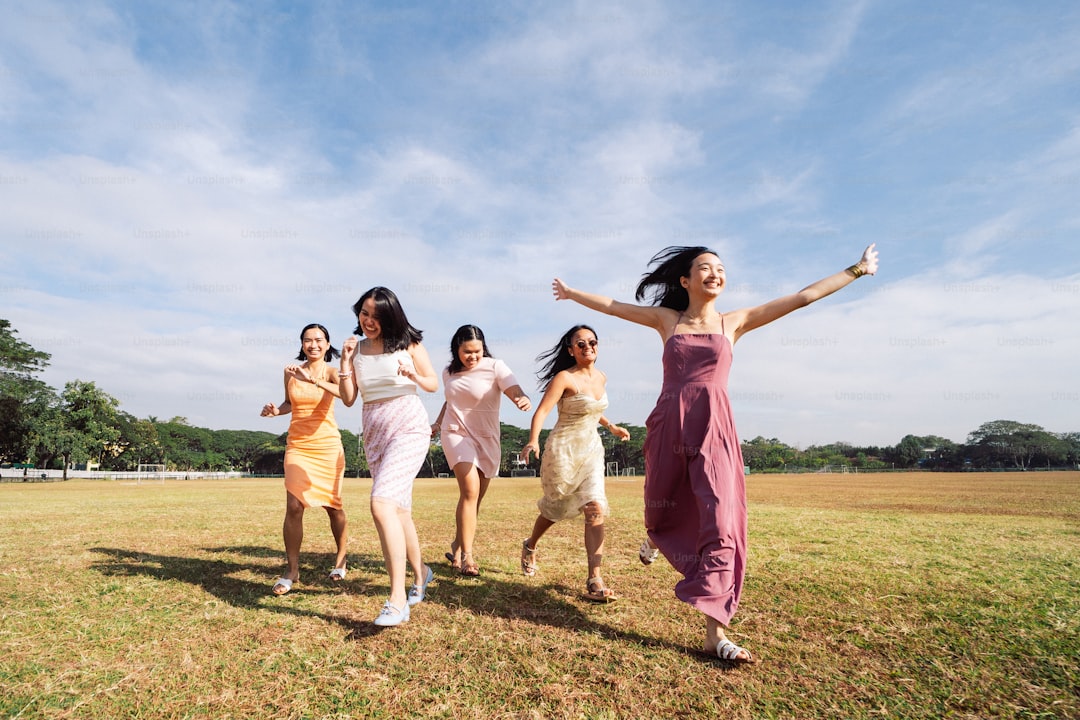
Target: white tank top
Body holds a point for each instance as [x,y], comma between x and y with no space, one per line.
[377,376]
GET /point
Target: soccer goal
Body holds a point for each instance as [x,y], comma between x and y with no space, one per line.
[612,469]
[149,472]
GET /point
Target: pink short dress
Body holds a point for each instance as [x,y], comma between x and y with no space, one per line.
[470,425]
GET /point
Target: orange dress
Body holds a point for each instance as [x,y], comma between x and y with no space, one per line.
[314,457]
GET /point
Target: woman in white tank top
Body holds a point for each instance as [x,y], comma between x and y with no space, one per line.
[384,370]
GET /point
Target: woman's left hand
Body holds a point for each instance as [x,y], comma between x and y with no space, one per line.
[406,371]
[619,432]
[869,260]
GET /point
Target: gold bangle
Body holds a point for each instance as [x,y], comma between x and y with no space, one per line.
[856,271]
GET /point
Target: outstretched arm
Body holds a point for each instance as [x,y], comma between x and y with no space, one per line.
[646,315]
[752,318]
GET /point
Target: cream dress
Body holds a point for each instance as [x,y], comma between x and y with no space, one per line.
[572,466]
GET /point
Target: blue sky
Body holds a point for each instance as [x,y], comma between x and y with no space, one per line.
[185,185]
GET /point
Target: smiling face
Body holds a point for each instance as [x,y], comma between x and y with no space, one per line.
[470,353]
[706,275]
[583,345]
[369,323]
[314,344]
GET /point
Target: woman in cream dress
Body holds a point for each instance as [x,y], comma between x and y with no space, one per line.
[572,465]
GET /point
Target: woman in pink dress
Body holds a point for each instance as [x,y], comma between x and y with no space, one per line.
[695,494]
[468,423]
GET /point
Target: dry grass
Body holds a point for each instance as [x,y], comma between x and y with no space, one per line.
[916,596]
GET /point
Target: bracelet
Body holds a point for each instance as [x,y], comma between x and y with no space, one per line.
[856,271]
[344,374]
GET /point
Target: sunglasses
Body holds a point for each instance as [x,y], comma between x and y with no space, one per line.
[582,344]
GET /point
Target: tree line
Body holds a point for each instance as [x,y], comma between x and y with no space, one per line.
[43,428]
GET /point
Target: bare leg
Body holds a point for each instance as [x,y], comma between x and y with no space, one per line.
[392,539]
[412,544]
[594,538]
[293,531]
[339,526]
[468,479]
[541,526]
[528,547]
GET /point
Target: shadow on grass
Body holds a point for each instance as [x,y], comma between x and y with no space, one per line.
[552,604]
[221,578]
[493,594]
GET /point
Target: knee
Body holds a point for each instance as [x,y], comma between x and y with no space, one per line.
[594,514]
[294,510]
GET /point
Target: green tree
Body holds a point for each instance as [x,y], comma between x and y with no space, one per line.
[1004,442]
[768,455]
[82,426]
[138,443]
[24,399]
[512,439]
[185,447]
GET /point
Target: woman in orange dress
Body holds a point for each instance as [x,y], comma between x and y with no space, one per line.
[314,457]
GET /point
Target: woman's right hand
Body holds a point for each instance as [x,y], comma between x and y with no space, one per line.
[559,289]
[530,447]
[269,410]
[348,350]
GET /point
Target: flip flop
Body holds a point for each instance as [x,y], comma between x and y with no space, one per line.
[337,574]
[282,582]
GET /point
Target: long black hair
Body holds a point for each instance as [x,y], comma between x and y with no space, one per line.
[557,358]
[397,333]
[331,352]
[462,335]
[662,284]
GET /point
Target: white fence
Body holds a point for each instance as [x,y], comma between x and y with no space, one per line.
[39,475]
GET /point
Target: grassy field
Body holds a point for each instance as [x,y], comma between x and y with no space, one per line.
[867,596]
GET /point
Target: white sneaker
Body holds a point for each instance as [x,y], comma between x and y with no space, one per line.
[390,615]
[417,592]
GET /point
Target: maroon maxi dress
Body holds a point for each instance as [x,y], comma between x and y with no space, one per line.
[695,490]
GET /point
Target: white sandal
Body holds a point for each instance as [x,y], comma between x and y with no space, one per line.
[647,554]
[728,650]
[337,574]
[283,582]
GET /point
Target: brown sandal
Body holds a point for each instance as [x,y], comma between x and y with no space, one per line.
[595,591]
[468,567]
[528,559]
[454,557]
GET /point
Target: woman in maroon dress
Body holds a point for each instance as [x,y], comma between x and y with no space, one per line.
[695,493]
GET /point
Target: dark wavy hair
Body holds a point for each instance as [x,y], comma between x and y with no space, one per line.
[462,335]
[555,360]
[397,333]
[331,352]
[662,284]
